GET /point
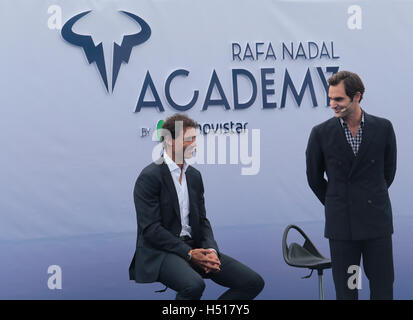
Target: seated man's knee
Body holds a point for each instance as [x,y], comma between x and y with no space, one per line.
[254,284]
[259,283]
[193,291]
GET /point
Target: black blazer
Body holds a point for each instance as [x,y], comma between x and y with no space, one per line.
[159,220]
[355,194]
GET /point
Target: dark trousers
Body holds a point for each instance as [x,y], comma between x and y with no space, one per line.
[377,262]
[187,279]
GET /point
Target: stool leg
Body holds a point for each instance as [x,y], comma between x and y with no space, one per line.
[320,285]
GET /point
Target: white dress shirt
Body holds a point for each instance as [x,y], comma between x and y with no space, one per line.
[182,192]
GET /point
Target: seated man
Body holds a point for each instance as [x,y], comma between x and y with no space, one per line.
[175,243]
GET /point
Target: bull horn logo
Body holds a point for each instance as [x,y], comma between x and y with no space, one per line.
[121,53]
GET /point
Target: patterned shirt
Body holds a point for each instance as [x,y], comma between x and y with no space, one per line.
[354,142]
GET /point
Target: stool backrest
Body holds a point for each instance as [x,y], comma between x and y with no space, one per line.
[295,249]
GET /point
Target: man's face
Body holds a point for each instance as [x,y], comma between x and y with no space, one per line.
[184,145]
[340,103]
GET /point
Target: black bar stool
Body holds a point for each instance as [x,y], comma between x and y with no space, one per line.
[305,256]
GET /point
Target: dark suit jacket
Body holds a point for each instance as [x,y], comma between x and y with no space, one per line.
[355,196]
[159,221]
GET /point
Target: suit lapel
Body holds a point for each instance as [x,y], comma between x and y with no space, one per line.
[343,143]
[191,195]
[167,178]
[366,139]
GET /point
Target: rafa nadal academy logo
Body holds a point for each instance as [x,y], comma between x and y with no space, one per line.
[121,53]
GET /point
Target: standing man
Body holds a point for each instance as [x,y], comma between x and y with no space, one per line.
[357,151]
[175,243]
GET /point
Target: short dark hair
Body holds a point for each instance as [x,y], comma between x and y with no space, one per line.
[169,124]
[352,83]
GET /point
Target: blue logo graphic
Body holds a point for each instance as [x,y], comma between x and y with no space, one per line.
[121,53]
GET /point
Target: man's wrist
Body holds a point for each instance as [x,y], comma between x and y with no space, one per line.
[189,256]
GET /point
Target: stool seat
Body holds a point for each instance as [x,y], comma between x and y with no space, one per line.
[300,257]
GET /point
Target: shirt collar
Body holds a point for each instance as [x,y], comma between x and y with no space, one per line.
[172,165]
[361,122]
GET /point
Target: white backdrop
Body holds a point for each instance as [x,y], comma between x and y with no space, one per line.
[71,150]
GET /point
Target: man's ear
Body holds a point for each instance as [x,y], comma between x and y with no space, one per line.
[357,96]
[168,140]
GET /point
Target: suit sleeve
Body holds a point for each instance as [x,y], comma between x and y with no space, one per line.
[207,236]
[316,166]
[390,156]
[147,204]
